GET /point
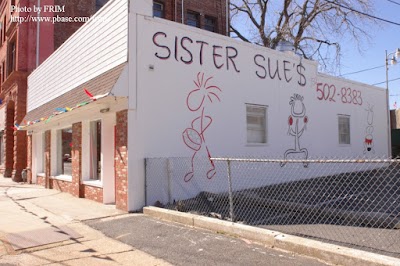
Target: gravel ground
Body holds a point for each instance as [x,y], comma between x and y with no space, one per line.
[359,209]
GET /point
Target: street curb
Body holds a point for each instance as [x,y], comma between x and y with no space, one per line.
[329,253]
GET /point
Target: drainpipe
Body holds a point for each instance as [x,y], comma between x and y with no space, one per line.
[38,36]
[228,17]
[183,14]
[176,10]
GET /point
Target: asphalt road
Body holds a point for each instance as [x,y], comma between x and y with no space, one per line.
[182,245]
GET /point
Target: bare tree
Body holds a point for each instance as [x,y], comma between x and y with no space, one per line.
[315,27]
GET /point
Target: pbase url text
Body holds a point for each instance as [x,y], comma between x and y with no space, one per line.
[55,19]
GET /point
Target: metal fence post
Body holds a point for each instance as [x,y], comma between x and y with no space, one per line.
[145,181]
[231,214]
[169,173]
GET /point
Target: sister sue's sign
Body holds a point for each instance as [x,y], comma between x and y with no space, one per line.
[189,51]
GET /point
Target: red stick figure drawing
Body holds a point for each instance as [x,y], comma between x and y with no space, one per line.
[297,124]
[193,136]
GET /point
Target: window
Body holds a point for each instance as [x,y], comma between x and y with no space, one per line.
[3,73]
[11,58]
[1,36]
[3,33]
[344,129]
[100,4]
[64,153]
[95,150]
[39,152]
[193,19]
[2,147]
[256,123]
[210,24]
[158,10]
[42,153]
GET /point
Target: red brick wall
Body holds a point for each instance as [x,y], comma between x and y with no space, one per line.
[41,180]
[9,139]
[18,95]
[92,193]
[121,161]
[73,8]
[63,186]
[213,8]
[76,153]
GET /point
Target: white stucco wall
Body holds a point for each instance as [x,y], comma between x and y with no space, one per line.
[171,58]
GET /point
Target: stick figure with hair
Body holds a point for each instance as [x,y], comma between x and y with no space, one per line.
[297,124]
[193,136]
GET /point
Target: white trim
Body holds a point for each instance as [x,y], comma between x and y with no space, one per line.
[53,152]
[67,178]
[85,150]
[93,183]
[107,157]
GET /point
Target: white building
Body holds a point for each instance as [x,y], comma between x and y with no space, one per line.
[162,89]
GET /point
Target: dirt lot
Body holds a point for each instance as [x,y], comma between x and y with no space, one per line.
[359,209]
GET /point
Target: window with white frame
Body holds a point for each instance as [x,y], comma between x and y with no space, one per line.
[95,150]
[344,129]
[256,118]
[39,142]
[158,10]
[64,152]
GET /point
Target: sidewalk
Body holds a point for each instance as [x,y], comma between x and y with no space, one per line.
[36,217]
[46,227]
[40,226]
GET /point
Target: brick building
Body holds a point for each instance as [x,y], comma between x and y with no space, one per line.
[24,44]
[210,15]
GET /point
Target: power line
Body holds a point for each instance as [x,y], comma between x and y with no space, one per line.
[385,81]
[391,1]
[363,13]
[363,70]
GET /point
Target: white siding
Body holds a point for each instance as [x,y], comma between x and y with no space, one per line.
[95,48]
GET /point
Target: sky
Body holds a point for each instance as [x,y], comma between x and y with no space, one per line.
[384,37]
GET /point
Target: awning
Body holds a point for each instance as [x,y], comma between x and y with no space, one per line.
[102,84]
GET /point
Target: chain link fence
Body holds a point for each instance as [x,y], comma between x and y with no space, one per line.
[351,202]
